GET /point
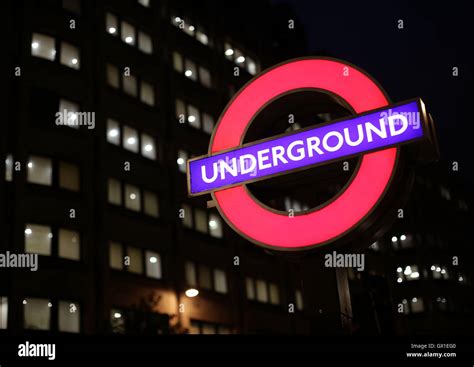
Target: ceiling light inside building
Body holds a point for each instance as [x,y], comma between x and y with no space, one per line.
[153,259]
[240,59]
[148,147]
[403,237]
[229,52]
[191,293]
[28,231]
[35,45]
[394,239]
[188,73]
[113,133]
[180,161]
[191,118]
[129,39]
[117,315]
[112,30]
[131,141]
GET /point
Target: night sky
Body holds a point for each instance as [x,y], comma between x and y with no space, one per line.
[414,61]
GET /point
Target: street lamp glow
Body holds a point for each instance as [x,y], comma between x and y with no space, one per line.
[394,239]
[403,237]
[117,315]
[192,292]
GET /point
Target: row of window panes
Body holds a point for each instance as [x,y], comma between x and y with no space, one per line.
[129,83]
[40,172]
[37,315]
[295,205]
[191,30]
[187,113]
[203,277]
[44,47]
[135,260]
[200,327]
[413,305]
[38,240]
[262,291]
[202,221]
[236,55]
[3,313]
[132,198]
[411,272]
[128,33]
[191,70]
[129,138]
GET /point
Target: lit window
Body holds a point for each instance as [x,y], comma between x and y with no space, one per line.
[115,256]
[208,123]
[205,280]
[3,312]
[194,118]
[229,51]
[190,70]
[114,192]
[251,66]
[69,317]
[128,33]
[200,217]
[148,146]
[43,46]
[202,37]
[136,260]
[145,3]
[262,292]
[69,245]
[38,239]
[249,288]
[69,55]
[69,177]
[130,85]
[113,78]
[113,132]
[130,139]
[111,24]
[187,216]
[74,6]
[144,43]
[442,303]
[215,226]
[39,170]
[182,159]
[177,62]
[153,265]
[71,110]
[150,204]
[224,330]
[299,300]
[220,281]
[9,168]
[132,198]
[190,274]
[417,305]
[195,328]
[180,110]
[205,77]
[274,294]
[37,313]
[147,93]
[208,329]
[117,321]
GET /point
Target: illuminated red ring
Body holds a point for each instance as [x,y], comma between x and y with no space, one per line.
[332,220]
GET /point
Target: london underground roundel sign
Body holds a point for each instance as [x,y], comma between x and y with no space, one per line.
[374,133]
